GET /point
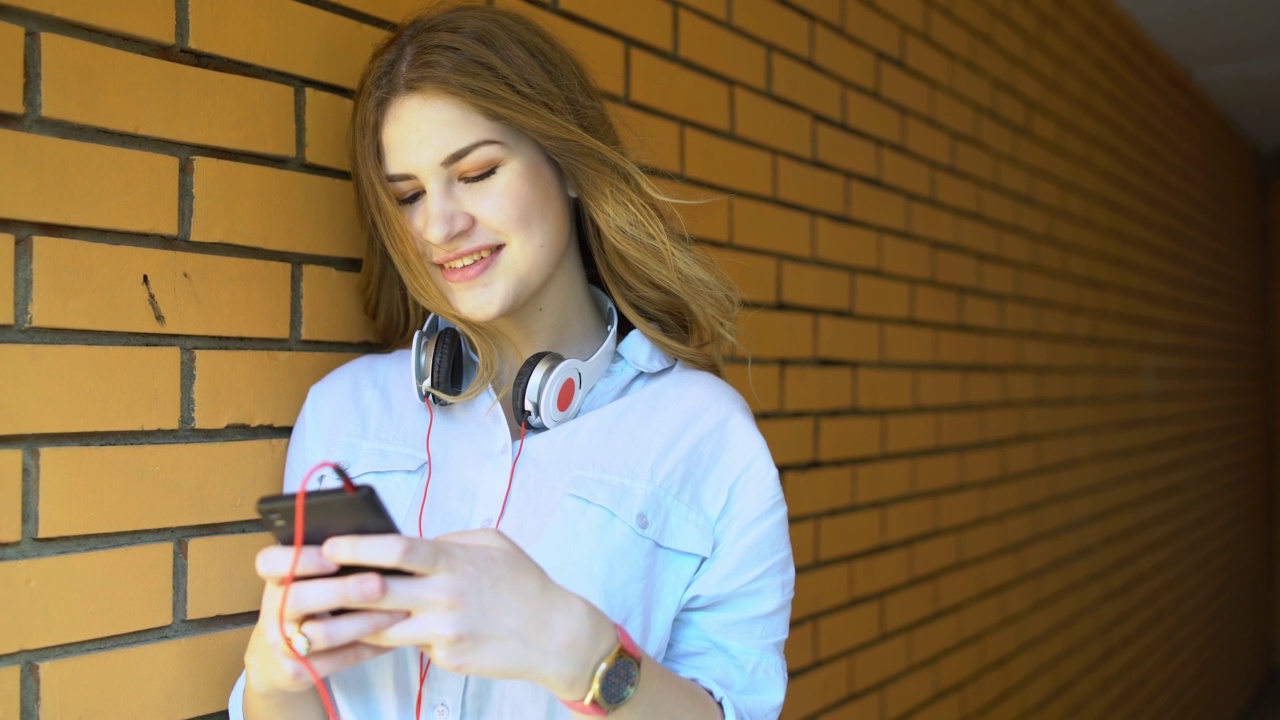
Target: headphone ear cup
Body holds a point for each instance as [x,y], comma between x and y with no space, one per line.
[447,364]
[521,386]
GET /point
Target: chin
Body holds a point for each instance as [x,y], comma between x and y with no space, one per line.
[479,310]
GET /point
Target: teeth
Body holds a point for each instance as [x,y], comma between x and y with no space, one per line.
[468,260]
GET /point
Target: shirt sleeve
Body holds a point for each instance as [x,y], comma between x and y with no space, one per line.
[735,615]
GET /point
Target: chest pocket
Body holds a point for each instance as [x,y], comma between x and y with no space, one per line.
[394,473]
[628,546]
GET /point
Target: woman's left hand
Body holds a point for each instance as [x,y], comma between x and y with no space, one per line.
[479,605]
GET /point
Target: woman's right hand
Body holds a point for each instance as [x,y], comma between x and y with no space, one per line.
[271,671]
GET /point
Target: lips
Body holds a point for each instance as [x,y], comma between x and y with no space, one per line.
[468,265]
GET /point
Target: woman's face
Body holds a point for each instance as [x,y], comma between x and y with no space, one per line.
[489,207]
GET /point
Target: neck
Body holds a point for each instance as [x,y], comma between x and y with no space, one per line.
[571,325]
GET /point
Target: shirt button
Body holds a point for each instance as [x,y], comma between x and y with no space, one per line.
[442,711]
[486,523]
[642,521]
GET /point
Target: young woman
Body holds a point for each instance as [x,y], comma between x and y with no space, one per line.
[595,530]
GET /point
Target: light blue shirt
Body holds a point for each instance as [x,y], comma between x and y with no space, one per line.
[659,503]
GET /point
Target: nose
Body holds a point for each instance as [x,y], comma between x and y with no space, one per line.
[439,217]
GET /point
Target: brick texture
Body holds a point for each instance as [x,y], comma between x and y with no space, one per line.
[1003,333]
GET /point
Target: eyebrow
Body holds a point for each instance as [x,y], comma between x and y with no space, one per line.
[451,159]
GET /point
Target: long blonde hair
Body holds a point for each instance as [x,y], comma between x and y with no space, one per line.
[508,69]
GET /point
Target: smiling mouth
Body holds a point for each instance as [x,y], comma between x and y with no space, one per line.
[469,259]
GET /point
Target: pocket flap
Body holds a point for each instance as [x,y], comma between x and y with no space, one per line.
[649,511]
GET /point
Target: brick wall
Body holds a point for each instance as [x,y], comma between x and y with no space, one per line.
[1006,324]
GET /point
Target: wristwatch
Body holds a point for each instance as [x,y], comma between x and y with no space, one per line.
[615,681]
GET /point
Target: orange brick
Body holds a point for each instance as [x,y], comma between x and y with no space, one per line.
[845,150]
[46,179]
[981,311]
[848,438]
[134,388]
[883,388]
[847,339]
[799,650]
[937,471]
[971,86]
[804,184]
[901,256]
[795,81]
[845,244]
[904,694]
[953,113]
[94,85]
[881,297]
[904,172]
[394,10]
[828,10]
[815,689]
[6,279]
[935,305]
[220,574]
[880,572]
[833,52]
[652,140]
[146,19]
[790,440]
[705,214]
[848,534]
[955,191]
[12,48]
[332,308]
[92,286]
[955,268]
[877,205]
[766,226]
[319,45]
[925,140]
[721,50]
[908,344]
[867,114]
[910,432]
[328,118]
[776,24]
[909,12]
[243,204]
[903,89]
[760,384]
[817,489]
[724,162]
[925,58]
[777,334]
[932,222]
[202,483]
[940,387]
[715,8]
[820,589]
[950,35]
[848,628]
[883,480]
[928,556]
[666,86]
[80,596]
[603,56]
[802,542]
[10,692]
[649,21]
[10,496]
[872,28]
[812,286]
[908,520]
[972,160]
[816,388]
[247,387]
[769,122]
[152,680]
[755,275]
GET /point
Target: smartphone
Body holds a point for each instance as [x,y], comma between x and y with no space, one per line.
[330,513]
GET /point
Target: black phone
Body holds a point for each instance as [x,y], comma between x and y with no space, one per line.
[330,513]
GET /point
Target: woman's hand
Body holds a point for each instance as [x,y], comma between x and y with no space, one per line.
[270,668]
[477,604]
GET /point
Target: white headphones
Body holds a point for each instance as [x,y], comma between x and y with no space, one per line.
[548,389]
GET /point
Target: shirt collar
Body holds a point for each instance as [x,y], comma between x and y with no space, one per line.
[640,351]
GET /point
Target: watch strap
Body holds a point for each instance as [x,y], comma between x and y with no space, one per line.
[589,705]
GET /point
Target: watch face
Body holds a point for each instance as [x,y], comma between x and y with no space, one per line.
[619,682]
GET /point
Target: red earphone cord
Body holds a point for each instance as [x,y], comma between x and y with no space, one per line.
[424,664]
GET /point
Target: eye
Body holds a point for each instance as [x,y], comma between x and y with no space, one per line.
[409,199]
[482,176]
